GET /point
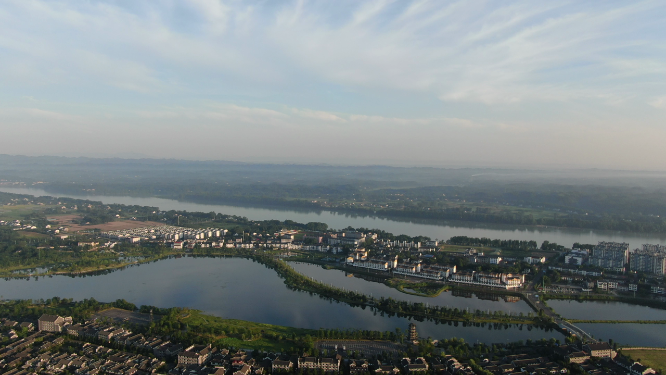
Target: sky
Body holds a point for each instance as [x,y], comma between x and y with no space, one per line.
[546,84]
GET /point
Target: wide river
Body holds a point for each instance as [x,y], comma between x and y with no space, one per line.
[242,289]
[432,229]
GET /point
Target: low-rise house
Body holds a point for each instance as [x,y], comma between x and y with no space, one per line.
[417,365]
[245,370]
[639,369]
[534,260]
[358,366]
[280,365]
[326,364]
[387,370]
[577,357]
[524,363]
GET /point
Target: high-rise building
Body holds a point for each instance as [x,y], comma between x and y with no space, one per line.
[610,255]
[651,259]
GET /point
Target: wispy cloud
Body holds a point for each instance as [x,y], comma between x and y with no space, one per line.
[467,71]
[658,102]
[460,51]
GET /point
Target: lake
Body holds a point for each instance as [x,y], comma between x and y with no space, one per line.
[605,310]
[652,335]
[242,289]
[436,230]
[463,300]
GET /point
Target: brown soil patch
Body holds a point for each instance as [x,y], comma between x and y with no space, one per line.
[66,221]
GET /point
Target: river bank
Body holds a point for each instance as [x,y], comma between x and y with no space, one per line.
[432,229]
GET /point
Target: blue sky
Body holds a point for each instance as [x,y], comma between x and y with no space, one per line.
[468,83]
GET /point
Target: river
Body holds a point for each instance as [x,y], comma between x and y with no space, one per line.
[435,230]
[242,289]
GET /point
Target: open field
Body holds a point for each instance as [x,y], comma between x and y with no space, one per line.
[652,358]
[366,347]
[456,248]
[33,235]
[15,212]
[66,221]
[120,315]
[226,332]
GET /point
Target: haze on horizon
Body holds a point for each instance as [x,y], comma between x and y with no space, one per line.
[456,83]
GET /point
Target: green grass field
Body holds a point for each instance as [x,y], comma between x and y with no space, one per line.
[243,334]
[19,211]
[652,358]
[33,235]
[455,248]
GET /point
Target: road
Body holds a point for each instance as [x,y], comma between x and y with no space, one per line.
[531,295]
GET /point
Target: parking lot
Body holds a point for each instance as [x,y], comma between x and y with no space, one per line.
[368,348]
[120,316]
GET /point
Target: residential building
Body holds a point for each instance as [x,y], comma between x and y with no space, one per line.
[639,369]
[372,263]
[280,365]
[495,280]
[326,364]
[650,259]
[576,257]
[409,269]
[600,350]
[577,357]
[436,272]
[51,323]
[610,255]
[534,260]
[196,355]
[358,366]
[488,259]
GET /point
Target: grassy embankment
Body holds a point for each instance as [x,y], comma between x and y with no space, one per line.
[69,264]
[423,289]
[298,281]
[651,358]
[266,337]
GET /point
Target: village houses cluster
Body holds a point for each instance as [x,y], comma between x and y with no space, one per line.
[334,242]
[41,352]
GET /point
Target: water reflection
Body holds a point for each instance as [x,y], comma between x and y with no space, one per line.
[242,289]
[471,301]
[605,310]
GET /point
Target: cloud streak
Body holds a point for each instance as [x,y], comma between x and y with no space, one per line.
[490,72]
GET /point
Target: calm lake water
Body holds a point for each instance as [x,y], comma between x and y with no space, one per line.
[653,335]
[461,300]
[432,229]
[242,289]
[605,310]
